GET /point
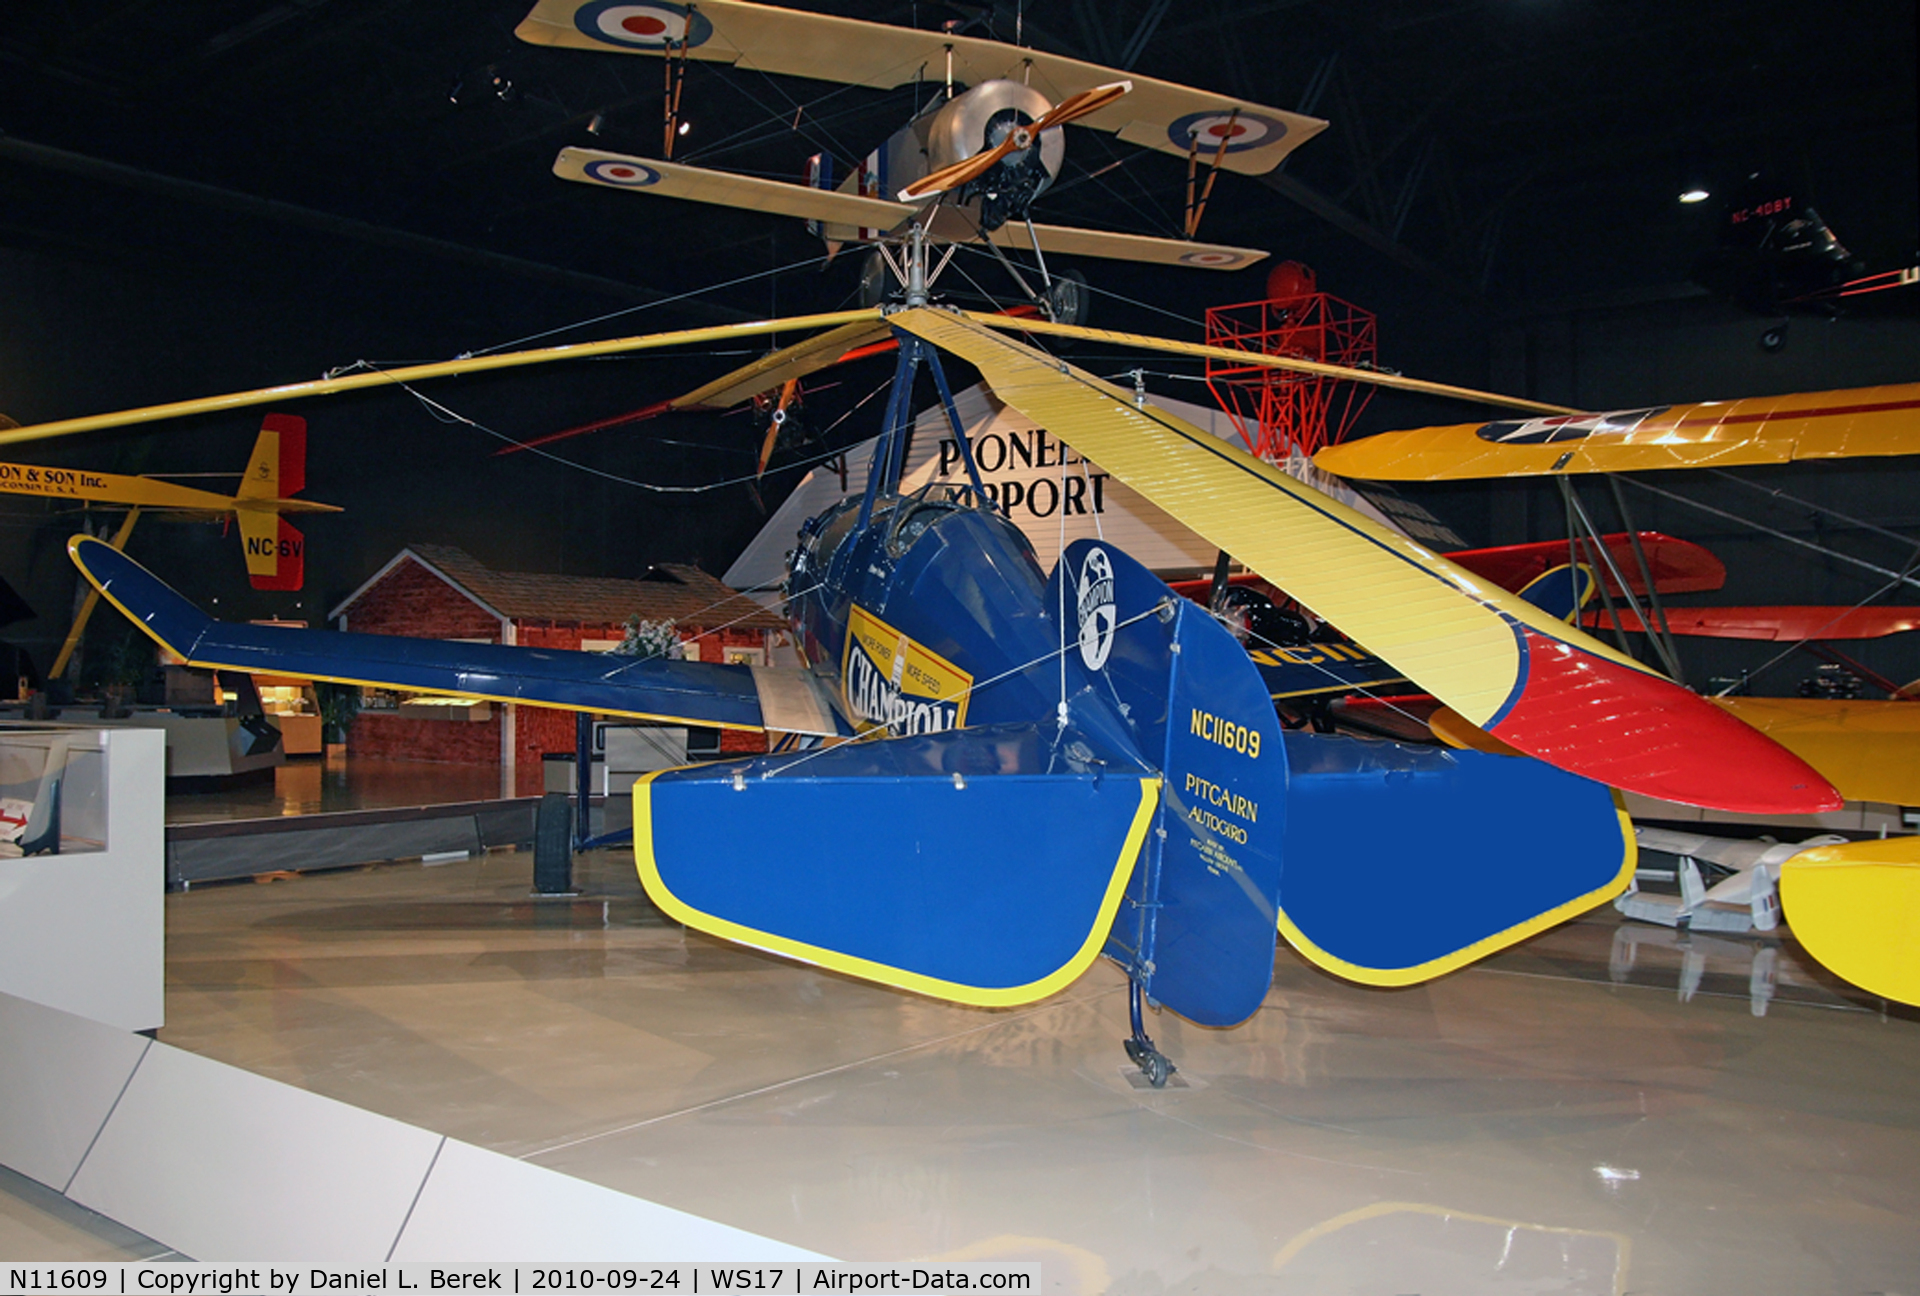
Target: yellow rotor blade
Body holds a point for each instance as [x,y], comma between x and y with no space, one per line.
[417,373]
[1441,625]
[1144,342]
[1856,908]
[820,351]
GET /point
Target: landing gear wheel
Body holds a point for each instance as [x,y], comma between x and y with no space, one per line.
[1068,297]
[1153,1064]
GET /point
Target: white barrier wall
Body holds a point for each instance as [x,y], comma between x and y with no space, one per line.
[222,1164]
[83,930]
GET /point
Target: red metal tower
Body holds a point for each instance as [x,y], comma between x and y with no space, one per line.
[1275,410]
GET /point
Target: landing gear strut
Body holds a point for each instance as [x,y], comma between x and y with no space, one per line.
[1153,1064]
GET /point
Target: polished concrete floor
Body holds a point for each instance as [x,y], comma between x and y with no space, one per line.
[309,785]
[1605,1110]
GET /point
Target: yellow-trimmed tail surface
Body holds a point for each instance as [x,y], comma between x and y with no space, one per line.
[1856,908]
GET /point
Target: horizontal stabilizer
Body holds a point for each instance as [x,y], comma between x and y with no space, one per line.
[974,865]
[1856,908]
[1406,862]
[680,692]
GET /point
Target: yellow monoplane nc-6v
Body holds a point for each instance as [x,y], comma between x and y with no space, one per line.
[1056,766]
[275,550]
[986,143]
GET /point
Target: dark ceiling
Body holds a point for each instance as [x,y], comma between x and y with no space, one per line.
[207,196]
[1510,152]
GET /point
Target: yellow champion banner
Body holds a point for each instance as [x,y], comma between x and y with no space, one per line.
[891,682]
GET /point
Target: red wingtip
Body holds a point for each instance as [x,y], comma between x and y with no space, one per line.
[1645,734]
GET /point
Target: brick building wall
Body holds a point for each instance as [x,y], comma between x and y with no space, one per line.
[410,600]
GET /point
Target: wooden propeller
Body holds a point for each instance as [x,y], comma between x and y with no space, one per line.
[788,391]
[1072,108]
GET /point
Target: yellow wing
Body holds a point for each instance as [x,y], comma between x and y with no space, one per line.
[788,42]
[726,189]
[1263,360]
[1869,750]
[1761,430]
[818,352]
[418,373]
[849,212]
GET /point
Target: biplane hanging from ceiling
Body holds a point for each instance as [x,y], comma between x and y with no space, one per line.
[1057,766]
[1776,256]
[973,159]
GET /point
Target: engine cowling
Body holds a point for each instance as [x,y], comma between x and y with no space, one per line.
[979,119]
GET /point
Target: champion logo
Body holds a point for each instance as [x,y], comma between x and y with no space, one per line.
[1094,602]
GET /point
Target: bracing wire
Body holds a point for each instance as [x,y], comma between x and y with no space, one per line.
[971,689]
[644,306]
[1794,647]
[444,414]
[1836,555]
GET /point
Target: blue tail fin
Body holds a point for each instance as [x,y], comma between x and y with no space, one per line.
[1198,931]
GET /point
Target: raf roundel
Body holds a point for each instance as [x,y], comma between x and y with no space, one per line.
[628,175]
[1210,258]
[1241,131]
[651,24]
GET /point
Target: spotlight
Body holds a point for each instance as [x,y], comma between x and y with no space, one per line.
[684,128]
[594,126]
[1695,195]
[453,91]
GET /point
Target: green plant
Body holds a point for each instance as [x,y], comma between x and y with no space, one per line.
[339,705]
[649,639]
